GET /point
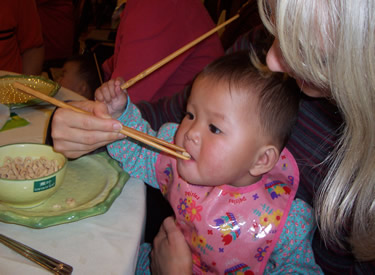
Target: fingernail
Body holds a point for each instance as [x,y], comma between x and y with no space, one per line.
[117,126]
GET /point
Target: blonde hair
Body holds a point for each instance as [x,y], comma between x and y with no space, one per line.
[331,44]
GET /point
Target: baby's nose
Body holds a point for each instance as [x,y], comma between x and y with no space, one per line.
[193,134]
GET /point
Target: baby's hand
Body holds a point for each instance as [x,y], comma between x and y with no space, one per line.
[111,94]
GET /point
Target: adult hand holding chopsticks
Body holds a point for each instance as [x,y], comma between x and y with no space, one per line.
[150,140]
[78,133]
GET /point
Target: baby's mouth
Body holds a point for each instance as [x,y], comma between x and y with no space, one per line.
[188,154]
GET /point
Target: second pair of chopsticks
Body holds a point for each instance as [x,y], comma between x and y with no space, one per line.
[53,265]
[159,144]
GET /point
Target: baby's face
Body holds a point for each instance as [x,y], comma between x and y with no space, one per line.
[221,132]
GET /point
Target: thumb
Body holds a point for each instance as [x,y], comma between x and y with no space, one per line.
[172,231]
[100,110]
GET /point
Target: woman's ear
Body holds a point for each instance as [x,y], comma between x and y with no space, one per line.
[266,159]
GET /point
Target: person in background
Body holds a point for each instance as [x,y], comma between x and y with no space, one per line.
[150,30]
[80,75]
[236,126]
[21,40]
[57,19]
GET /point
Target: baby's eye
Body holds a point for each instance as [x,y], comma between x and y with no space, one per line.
[214,129]
[189,115]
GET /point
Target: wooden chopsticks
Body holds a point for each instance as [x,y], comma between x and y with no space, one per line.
[132,133]
[173,55]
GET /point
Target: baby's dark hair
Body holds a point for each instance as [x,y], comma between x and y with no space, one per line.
[87,71]
[278,95]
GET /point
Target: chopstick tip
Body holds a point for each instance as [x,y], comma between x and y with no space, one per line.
[186,155]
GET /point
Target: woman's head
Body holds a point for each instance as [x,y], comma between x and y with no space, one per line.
[321,43]
[329,47]
[237,122]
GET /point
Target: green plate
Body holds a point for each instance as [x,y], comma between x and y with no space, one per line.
[91,185]
[17,99]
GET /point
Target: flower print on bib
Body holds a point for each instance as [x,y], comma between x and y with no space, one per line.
[231,230]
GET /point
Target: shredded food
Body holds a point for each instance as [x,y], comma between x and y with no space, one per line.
[28,168]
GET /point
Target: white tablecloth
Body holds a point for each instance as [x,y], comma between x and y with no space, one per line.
[104,244]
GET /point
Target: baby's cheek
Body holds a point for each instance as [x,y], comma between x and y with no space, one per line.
[214,159]
[178,139]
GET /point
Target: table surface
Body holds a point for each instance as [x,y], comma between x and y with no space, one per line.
[103,244]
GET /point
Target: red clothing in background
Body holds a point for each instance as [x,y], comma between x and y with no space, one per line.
[57,18]
[20,30]
[150,30]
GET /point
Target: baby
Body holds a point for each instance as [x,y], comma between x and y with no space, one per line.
[80,74]
[234,199]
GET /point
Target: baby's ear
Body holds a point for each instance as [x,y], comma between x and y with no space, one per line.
[84,89]
[266,159]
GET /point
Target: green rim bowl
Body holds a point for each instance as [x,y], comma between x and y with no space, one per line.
[30,192]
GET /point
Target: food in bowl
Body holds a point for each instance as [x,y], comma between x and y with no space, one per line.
[28,168]
[34,173]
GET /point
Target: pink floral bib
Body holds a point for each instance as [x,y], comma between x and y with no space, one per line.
[231,230]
